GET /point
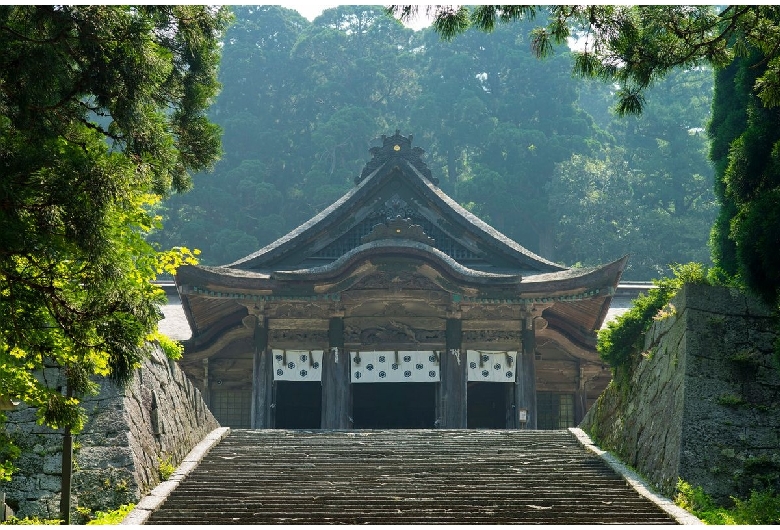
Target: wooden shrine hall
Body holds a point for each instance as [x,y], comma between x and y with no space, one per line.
[396,308]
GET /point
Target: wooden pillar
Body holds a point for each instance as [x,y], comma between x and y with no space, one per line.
[206,390]
[336,383]
[510,420]
[453,371]
[525,384]
[262,378]
[580,397]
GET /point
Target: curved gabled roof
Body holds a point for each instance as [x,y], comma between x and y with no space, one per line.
[576,283]
[395,159]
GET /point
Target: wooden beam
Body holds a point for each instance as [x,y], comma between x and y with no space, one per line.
[336,385]
[206,389]
[525,383]
[453,371]
[262,378]
[580,396]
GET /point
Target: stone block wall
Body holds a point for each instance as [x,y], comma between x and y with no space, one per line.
[703,404]
[160,416]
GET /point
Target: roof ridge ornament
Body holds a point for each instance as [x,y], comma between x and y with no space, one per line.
[397,146]
[399,228]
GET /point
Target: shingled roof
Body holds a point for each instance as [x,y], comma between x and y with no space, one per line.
[396,211]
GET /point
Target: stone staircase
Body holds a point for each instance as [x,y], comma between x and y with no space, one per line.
[404,477]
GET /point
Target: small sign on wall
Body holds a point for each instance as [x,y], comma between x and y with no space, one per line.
[297,365]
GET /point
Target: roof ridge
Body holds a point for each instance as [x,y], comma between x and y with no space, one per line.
[398,147]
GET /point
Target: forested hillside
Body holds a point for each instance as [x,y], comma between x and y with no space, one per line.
[517,140]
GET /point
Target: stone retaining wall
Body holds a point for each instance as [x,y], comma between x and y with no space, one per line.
[703,404]
[160,416]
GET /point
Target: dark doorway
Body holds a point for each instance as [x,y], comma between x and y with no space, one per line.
[394,405]
[298,404]
[486,405]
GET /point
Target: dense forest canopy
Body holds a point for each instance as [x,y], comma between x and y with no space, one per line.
[519,141]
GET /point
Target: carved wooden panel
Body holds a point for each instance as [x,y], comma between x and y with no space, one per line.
[385,280]
[298,338]
[496,325]
[488,336]
[394,331]
[373,302]
[299,310]
[490,312]
[399,228]
[416,322]
[298,323]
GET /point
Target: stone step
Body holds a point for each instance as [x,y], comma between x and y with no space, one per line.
[404,477]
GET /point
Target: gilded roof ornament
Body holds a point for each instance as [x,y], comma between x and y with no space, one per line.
[399,228]
[397,147]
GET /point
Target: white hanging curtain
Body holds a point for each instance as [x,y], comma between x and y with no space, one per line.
[297,365]
[395,366]
[492,366]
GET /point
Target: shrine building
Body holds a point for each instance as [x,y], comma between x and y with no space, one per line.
[396,308]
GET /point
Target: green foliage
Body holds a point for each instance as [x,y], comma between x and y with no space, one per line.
[731,401]
[173,349]
[35,521]
[747,180]
[166,468]
[456,22]
[634,46]
[759,508]
[763,471]
[746,359]
[745,145]
[112,517]
[729,119]
[88,155]
[694,500]
[621,342]
[762,507]
[651,197]
[84,512]
[119,486]
[9,452]
[649,194]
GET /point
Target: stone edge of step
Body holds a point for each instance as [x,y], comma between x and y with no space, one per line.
[635,481]
[140,514]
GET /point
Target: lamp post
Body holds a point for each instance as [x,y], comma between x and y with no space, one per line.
[67,468]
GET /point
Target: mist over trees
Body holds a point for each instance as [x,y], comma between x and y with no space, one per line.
[519,141]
